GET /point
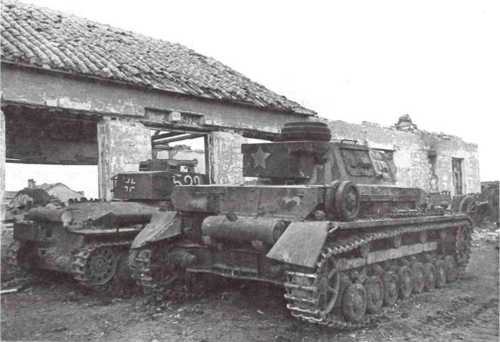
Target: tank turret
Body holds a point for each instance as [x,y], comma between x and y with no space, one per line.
[155,181]
[317,160]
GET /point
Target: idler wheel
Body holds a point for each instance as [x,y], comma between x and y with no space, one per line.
[374,294]
[390,289]
[405,282]
[354,303]
[346,201]
[101,266]
[418,277]
[429,276]
[440,273]
[451,268]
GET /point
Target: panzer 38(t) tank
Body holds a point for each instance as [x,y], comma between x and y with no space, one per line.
[90,239]
[319,222]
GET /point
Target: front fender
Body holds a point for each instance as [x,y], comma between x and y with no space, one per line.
[163,225]
[301,243]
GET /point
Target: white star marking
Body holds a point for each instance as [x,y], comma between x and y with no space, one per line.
[259,158]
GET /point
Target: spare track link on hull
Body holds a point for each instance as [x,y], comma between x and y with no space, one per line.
[98,274]
[302,288]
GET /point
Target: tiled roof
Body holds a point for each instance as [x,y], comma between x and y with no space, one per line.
[48,39]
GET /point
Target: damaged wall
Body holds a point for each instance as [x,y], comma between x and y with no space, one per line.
[412,151]
[448,147]
[226,159]
[2,164]
[122,145]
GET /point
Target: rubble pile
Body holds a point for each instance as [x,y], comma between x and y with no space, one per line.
[487,232]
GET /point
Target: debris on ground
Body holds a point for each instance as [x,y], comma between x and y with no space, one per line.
[58,311]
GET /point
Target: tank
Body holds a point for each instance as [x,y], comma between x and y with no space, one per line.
[490,195]
[90,239]
[321,222]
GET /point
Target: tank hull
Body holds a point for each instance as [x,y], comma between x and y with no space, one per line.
[88,240]
[364,252]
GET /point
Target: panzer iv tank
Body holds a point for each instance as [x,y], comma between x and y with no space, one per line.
[320,223]
[90,239]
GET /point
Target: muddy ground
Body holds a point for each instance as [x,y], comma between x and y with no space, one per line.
[55,309]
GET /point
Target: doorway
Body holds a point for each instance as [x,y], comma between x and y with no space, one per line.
[456,167]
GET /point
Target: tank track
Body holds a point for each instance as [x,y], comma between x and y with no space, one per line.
[304,304]
[12,259]
[12,252]
[140,268]
[81,260]
[174,285]
[146,272]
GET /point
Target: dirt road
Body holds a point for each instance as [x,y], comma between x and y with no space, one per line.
[59,311]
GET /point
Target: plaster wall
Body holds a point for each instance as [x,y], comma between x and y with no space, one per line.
[37,87]
[122,145]
[2,164]
[226,159]
[411,154]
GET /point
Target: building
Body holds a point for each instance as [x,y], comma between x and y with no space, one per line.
[77,92]
[109,97]
[431,161]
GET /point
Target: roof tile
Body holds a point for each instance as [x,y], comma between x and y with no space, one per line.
[44,38]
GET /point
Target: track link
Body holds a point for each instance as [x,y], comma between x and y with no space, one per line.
[153,271]
[303,289]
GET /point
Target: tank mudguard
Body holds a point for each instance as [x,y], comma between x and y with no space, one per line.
[163,225]
[301,243]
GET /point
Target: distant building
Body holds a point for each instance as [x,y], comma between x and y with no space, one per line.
[431,161]
[62,192]
[17,203]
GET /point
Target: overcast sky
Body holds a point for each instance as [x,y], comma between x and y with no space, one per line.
[438,61]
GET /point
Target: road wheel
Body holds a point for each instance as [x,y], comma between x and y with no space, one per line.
[405,282]
[451,268]
[101,266]
[354,303]
[440,274]
[418,277]
[390,289]
[429,276]
[374,294]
